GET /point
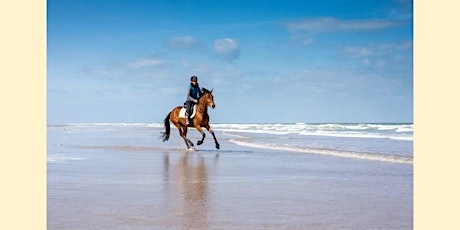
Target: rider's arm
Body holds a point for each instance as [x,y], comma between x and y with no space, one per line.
[189,97]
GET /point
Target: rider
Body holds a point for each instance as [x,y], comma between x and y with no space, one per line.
[193,94]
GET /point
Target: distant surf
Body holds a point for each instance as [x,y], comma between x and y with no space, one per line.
[395,131]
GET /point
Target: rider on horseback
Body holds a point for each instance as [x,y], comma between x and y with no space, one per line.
[193,94]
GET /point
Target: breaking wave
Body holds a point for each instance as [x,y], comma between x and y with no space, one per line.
[330,152]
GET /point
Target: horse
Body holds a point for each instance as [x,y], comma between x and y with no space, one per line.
[200,120]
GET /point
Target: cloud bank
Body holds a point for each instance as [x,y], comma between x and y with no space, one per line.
[146,62]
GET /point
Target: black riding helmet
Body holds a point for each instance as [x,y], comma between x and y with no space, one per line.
[194,78]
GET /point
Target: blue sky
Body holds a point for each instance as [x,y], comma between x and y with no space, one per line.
[267,61]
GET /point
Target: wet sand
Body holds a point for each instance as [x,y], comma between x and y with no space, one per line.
[100,184]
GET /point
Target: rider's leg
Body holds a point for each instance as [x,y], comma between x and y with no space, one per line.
[188,112]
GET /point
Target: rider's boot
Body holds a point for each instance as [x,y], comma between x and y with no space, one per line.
[187,119]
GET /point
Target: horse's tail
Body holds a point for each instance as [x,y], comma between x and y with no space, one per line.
[165,134]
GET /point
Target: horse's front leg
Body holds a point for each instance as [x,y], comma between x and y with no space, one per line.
[203,135]
[213,135]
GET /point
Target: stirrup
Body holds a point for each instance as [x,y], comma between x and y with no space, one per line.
[188,121]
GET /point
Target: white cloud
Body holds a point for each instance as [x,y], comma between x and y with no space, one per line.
[146,62]
[330,24]
[183,43]
[357,52]
[406,45]
[95,72]
[227,49]
[304,30]
[378,50]
[304,39]
[381,63]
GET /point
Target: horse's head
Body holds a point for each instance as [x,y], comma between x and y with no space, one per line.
[208,98]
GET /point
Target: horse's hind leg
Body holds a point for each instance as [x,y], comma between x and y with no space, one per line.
[183,134]
[190,143]
[213,135]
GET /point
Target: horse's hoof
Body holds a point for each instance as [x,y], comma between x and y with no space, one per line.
[217,146]
[190,149]
[199,142]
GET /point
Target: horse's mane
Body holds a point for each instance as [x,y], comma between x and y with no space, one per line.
[205,90]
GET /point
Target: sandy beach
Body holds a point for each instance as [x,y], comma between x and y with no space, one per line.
[105,177]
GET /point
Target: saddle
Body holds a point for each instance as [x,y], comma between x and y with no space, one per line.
[183,110]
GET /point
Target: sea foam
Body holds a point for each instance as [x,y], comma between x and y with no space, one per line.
[330,152]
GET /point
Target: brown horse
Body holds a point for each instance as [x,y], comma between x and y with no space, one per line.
[201,119]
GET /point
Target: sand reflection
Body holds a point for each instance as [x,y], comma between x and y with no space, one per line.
[188,190]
